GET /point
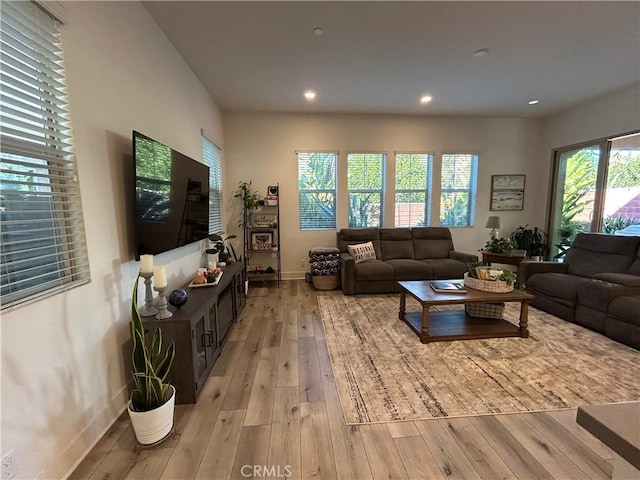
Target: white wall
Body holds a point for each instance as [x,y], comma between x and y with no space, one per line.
[261,148]
[63,378]
[608,115]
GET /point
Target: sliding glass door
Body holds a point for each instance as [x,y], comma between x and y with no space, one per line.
[596,189]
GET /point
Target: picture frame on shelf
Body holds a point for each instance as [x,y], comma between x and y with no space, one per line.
[507,192]
[261,241]
[273,192]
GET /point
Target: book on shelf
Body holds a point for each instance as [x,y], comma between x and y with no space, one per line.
[448,286]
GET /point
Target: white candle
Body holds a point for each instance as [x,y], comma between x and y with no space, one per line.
[212,265]
[159,277]
[146,263]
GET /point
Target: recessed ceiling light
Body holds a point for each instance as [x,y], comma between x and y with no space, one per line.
[533,102]
[481,53]
[426,99]
[318,31]
[310,95]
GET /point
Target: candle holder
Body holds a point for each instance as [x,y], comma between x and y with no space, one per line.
[162,303]
[148,310]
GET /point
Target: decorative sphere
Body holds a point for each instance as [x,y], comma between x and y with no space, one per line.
[178,297]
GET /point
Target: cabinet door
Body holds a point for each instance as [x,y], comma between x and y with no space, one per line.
[226,312]
[213,333]
[201,338]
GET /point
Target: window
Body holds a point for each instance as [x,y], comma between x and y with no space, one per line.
[365,186]
[213,160]
[459,183]
[413,189]
[317,190]
[43,248]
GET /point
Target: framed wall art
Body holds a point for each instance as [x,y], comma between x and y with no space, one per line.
[261,241]
[507,192]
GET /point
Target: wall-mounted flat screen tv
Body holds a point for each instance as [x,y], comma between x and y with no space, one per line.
[171,197]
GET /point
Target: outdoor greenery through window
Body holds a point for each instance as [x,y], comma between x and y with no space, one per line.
[43,249]
[213,160]
[413,189]
[365,186]
[317,190]
[459,182]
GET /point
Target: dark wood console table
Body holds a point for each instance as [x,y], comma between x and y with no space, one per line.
[199,329]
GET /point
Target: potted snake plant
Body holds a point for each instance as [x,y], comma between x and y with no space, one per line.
[153,399]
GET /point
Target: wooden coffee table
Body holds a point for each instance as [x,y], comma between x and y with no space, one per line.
[456,324]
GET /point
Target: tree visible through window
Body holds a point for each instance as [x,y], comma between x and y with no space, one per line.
[459,183]
[365,185]
[317,190]
[413,189]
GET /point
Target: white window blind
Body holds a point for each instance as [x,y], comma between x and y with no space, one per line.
[459,183]
[365,186]
[413,189]
[317,190]
[213,159]
[43,248]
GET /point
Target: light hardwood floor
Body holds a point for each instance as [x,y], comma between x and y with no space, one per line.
[270,409]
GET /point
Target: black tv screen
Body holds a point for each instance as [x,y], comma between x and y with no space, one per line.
[171,197]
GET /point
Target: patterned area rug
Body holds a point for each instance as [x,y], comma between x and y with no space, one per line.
[384,373]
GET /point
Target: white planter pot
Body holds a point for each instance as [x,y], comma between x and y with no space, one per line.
[153,426]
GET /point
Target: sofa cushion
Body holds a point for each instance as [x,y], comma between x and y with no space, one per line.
[445,268]
[593,253]
[353,236]
[634,269]
[406,269]
[597,294]
[362,252]
[431,242]
[626,309]
[374,270]
[557,285]
[619,278]
[396,243]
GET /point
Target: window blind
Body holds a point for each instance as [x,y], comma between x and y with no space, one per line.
[365,187]
[213,159]
[413,189]
[43,248]
[459,183]
[317,190]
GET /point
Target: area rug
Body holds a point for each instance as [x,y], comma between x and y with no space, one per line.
[383,372]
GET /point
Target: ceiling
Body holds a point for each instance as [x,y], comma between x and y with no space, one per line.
[382,56]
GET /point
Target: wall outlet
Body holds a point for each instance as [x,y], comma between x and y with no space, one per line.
[302,262]
[8,466]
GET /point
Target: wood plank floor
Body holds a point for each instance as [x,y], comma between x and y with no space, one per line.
[271,410]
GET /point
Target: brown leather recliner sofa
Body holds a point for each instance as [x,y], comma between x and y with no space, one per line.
[597,286]
[421,253]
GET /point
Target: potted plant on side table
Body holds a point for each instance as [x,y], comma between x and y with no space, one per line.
[533,240]
[153,399]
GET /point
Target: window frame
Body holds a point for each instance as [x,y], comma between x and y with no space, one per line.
[359,191]
[212,158]
[471,189]
[305,223]
[38,163]
[427,190]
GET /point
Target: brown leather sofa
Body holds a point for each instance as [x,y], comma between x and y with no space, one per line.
[421,253]
[597,286]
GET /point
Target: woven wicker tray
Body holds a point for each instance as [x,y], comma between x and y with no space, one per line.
[493,286]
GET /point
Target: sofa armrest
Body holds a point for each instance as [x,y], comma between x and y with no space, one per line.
[348,273]
[619,278]
[526,269]
[463,257]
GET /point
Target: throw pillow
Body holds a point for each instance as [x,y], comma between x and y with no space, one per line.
[362,251]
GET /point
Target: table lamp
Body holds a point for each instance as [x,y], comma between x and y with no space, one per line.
[493,222]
